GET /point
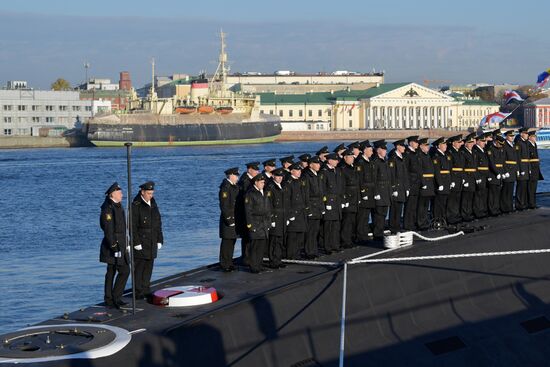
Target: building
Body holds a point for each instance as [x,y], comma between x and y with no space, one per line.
[117,99]
[386,106]
[537,113]
[99,84]
[21,110]
[493,92]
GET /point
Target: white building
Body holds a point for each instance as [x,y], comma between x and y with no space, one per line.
[99,84]
[537,113]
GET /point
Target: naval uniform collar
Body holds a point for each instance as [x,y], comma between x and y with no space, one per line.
[268,174]
[533,144]
[231,183]
[313,171]
[510,143]
[365,158]
[439,150]
[261,191]
[250,177]
[278,185]
[480,148]
[145,201]
[294,177]
[411,149]
[398,154]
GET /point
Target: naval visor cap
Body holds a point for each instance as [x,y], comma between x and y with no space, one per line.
[232,171]
[149,185]
[114,187]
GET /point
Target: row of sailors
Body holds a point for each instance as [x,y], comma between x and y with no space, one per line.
[332,201]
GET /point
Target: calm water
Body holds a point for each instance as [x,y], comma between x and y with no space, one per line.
[49,221]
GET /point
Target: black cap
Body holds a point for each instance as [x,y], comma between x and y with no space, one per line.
[314,159]
[305,157]
[348,152]
[114,187]
[380,144]
[339,148]
[365,144]
[488,134]
[232,171]
[452,139]
[481,137]
[149,185]
[532,132]
[258,177]
[413,138]
[469,138]
[295,166]
[510,132]
[499,139]
[524,130]
[438,141]
[269,162]
[278,172]
[333,156]
[289,159]
[354,145]
[496,132]
[399,142]
[253,165]
[423,141]
[323,150]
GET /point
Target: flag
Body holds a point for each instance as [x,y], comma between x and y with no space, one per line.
[543,78]
[352,107]
[511,95]
[494,118]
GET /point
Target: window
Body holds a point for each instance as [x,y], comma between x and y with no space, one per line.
[329,112]
[281,113]
[271,112]
[88,108]
[36,119]
[21,107]
[49,119]
[36,108]
[350,113]
[7,120]
[7,107]
[7,131]
[62,108]
[261,111]
[49,108]
[310,113]
[300,113]
[22,119]
[290,113]
[309,126]
[350,123]
[320,113]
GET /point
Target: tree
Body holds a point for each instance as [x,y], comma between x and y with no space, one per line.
[61,84]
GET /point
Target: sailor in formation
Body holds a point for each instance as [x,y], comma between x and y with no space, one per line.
[328,202]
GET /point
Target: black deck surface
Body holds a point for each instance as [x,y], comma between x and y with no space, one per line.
[481,311]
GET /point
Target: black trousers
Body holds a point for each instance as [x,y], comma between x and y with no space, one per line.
[531,194]
[453,207]
[467,206]
[142,274]
[493,200]
[423,211]
[312,236]
[255,254]
[226,252]
[396,208]
[409,216]
[331,235]
[507,197]
[294,244]
[245,242]
[114,294]
[379,221]
[275,249]
[521,195]
[480,202]
[348,232]
[363,226]
[439,211]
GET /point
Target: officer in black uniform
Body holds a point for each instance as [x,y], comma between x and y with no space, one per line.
[399,177]
[322,154]
[315,206]
[442,171]
[495,153]
[480,195]
[510,173]
[113,250]
[382,189]
[333,187]
[427,189]
[229,191]
[269,166]
[534,167]
[286,162]
[340,149]
[469,179]
[366,191]
[297,222]
[147,236]
[348,234]
[355,148]
[522,148]
[415,173]
[245,182]
[304,159]
[276,192]
[257,206]
[457,174]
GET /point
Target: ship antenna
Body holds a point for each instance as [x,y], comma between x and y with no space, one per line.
[220,76]
[153,93]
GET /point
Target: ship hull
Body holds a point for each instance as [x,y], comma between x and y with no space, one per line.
[110,135]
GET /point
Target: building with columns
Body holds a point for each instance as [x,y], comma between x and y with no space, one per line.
[537,113]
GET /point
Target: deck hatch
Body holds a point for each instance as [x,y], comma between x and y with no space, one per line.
[536,325]
[447,345]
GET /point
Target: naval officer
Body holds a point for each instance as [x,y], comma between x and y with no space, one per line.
[229,191]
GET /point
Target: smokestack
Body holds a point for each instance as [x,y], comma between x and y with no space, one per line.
[125,83]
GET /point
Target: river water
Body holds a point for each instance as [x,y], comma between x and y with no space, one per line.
[49,217]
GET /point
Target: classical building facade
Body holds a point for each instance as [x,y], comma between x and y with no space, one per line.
[537,113]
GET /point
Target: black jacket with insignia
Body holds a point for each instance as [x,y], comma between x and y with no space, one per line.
[228,198]
[399,177]
[366,182]
[522,149]
[442,171]
[534,163]
[351,188]
[314,187]
[113,223]
[297,193]
[482,166]
[510,161]
[457,167]
[257,209]
[496,165]
[415,170]
[382,178]
[470,170]
[146,228]
[427,181]
[333,189]
[279,206]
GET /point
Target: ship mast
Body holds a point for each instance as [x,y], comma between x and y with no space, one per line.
[152,93]
[219,80]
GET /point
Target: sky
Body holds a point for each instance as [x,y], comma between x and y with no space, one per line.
[456,42]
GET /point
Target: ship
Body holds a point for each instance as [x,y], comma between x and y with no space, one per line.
[210,114]
[475,295]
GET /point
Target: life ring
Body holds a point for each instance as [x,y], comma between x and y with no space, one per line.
[190,295]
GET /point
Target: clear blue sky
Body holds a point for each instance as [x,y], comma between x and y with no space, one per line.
[460,41]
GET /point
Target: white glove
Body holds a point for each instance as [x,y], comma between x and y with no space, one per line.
[507,174]
[128,249]
[118,254]
[489,179]
[463,181]
[323,213]
[377,197]
[329,207]
[273,224]
[440,188]
[347,204]
[343,206]
[478,181]
[498,176]
[365,198]
[452,185]
[287,222]
[159,245]
[394,194]
[232,225]
[466,184]
[310,215]
[424,187]
[517,173]
[407,193]
[523,173]
[138,247]
[293,218]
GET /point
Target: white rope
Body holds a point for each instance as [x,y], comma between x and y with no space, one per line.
[433,239]
[453,256]
[309,262]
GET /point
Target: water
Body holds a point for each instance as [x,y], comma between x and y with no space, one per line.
[49,222]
